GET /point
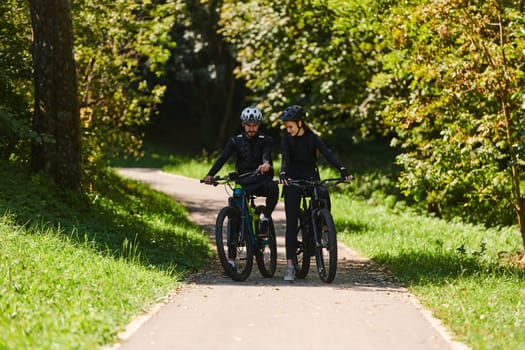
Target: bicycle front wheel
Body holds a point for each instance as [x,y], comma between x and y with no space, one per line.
[266,248]
[233,247]
[326,246]
[302,255]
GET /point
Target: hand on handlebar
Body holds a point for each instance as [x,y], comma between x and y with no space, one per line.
[208,180]
[347,178]
[344,175]
[283,179]
[264,168]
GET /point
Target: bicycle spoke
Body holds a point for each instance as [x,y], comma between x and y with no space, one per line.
[326,251]
[266,249]
[235,252]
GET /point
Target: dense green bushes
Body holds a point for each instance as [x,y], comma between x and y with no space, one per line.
[442,80]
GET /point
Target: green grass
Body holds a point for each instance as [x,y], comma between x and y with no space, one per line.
[74,270]
[464,274]
[61,294]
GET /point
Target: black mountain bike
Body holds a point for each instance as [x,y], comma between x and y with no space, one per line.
[236,233]
[316,235]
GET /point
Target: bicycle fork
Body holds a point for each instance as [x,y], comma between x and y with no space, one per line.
[317,241]
[313,224]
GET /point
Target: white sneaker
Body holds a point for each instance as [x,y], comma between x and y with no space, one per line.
[289,274]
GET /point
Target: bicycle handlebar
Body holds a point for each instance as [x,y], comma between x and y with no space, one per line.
[233,176]
[313,182]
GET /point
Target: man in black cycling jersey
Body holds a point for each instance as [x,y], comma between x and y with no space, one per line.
[253,151]
[299,150]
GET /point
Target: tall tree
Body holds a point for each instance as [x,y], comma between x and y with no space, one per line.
[57,150]
[121,49]
[462,123]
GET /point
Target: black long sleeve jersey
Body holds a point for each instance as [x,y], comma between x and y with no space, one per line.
[250,153]
[300,155]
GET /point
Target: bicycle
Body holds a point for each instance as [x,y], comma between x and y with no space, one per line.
[316,235]
[236,233]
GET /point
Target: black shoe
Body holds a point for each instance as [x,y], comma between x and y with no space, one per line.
[263,229]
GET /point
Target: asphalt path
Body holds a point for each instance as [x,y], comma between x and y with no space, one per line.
[364,308]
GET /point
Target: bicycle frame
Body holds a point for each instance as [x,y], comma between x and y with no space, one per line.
[241,210]
[315,204]
[311,205]
[246,206]
[318,231]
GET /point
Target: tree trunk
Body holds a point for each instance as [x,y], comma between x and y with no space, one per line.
[57,151]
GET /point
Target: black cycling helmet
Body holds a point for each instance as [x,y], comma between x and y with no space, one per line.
[294,113]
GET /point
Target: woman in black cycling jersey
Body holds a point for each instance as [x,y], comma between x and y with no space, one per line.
[299,161]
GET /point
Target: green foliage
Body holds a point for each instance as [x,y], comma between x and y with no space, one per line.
[320,54]
[15,79]
[460,118]
[444,78]
[15,60]
[120,48]
[15,133]
[203,97]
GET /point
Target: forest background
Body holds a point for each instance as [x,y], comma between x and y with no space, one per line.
[434,88]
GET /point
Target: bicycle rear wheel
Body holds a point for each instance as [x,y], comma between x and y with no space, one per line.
[326,248]
[232,245]
[266,248]
[302,256]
